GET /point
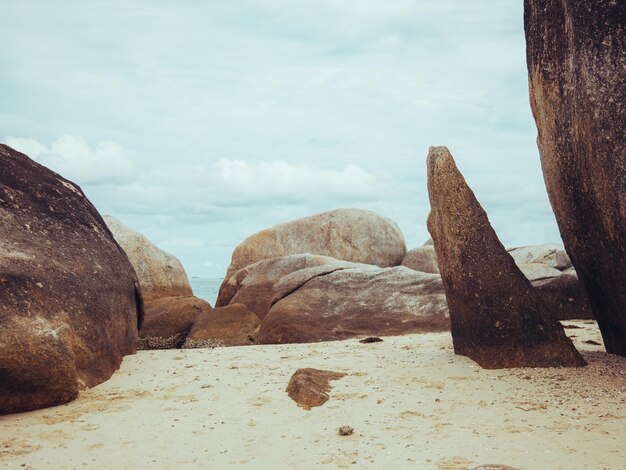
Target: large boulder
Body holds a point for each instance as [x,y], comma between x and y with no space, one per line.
[330,302]
[233,325]
[577,72]
[423,258]
[497,318]
[256,288]
[69,298]
[565,297]
[353,235]
[169,320]
[551,255]
[160,273]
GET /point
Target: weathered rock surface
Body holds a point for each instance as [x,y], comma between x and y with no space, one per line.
[310,387]
[256,289]
[423,258]
[497,319]
[69,298]
[331,302]
[233,325]
[536,271]
[160,273]
[565,297]
[549,254]
[353,235]
[577,72]
[169,320]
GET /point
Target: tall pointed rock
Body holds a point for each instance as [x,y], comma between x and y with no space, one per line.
[497,319]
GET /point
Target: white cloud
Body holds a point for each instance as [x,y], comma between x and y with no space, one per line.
[73,158]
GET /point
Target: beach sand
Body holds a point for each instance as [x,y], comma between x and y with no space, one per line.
[411,401]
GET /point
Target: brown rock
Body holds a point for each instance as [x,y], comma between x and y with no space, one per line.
[69,298]
[169,320]
[346,234]
[497,318]
[577,72]
[328,303]
[310,387]
[423,258]
[565,297]
[233,325]
[256,289]
[160,273]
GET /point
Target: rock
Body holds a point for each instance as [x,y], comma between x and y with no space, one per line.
[422,258]
[310,387]
[345,431]
[577,73]
[550,254]
[160,273]
[536,271]
[497,318]
[353,235]
[565,297]
[327,303]
[233,325]
[169,320]
[69,299]
[256,289]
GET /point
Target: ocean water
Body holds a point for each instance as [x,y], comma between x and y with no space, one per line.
[206,288]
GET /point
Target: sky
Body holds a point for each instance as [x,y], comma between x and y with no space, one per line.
[201,123]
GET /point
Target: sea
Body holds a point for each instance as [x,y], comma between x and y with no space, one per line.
[206,288]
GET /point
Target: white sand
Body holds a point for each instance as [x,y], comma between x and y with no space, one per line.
[410,400]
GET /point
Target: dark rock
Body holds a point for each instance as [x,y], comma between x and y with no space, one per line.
[69,298]
[496,316]
[565,297]
[310,387]
[233,325]
[169,320]
[576,58]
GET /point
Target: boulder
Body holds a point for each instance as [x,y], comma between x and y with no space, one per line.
[536,271]
[353,235]
[497,318]
[233,325]
[309,387]
[160,273]
[169,320]
[256,289]
[565,297]
[549,254]
[70,302]
[331,302]
[577,73]
[423,258]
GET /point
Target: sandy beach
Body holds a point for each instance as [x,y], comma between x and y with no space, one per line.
[411,401]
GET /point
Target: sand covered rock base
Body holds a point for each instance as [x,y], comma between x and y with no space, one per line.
[410,401]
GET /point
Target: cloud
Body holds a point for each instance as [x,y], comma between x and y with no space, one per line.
[107,163]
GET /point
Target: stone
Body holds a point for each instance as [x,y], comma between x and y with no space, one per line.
[577,73]
[551,255]
[423,258]
[565,297]
[326,303]
[70,302]
[497,318]
[353,235]
[536,271]
[160,273]
[309,387]
[169,320]
[233,325]
[256,289]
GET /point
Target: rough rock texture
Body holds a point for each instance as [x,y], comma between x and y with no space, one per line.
[69,298]
[256,289]
[160,273]
[233,325]
[310,387]
[347,234]
[536,271]
[423,258]
[577,72]
[169,320]
[549,254]
[565,297]
[329,302]
[497,318]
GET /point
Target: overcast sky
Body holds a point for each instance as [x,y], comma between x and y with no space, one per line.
[200,123]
